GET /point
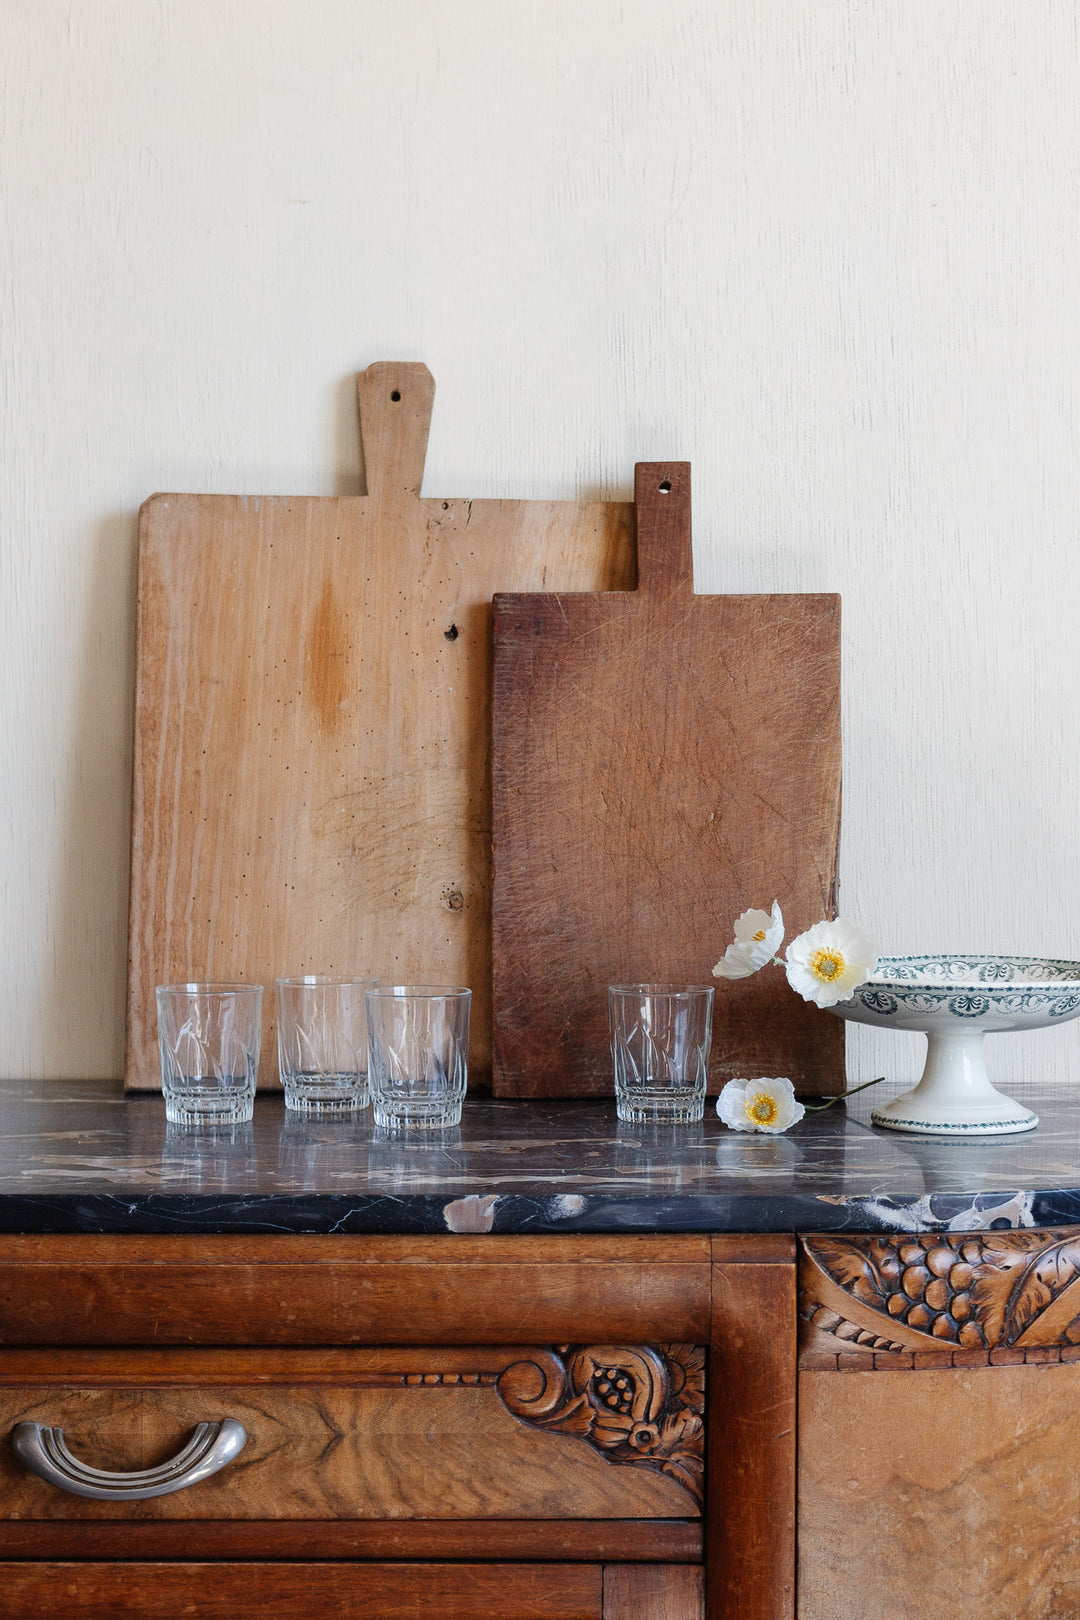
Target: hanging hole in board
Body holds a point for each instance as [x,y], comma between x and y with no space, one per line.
[665,487]
[396,395]
[451,634]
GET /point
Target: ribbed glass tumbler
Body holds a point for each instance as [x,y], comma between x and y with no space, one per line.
[208,1039]
[322,1043]
[660,1040]
[418,1046]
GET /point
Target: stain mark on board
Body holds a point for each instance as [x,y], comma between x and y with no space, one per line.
[326,658]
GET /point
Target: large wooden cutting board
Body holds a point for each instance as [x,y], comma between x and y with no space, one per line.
[661,761]
[312,722]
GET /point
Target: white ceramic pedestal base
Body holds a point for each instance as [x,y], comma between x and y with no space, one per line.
[954,1001]
[955,1096]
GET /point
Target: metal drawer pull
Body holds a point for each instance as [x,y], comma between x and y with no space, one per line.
[43,1451]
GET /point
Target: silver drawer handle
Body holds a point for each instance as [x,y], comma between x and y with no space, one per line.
[43,1451]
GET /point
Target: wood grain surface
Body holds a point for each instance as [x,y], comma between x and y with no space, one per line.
[947,1492]
[664,1541]
[353,1291]
[751,1441]
[663,1592]
[312,731]
[442,1446]
[661,761]
[334,1591]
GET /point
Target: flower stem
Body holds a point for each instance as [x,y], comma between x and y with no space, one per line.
[819,1108]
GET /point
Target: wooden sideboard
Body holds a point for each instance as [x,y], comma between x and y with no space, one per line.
[552,1428]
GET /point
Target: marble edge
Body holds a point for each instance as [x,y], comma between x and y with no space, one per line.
[508,1214]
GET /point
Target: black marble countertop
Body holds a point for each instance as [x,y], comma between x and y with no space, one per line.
[80,1157]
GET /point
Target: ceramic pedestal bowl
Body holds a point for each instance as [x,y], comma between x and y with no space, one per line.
[955,1001]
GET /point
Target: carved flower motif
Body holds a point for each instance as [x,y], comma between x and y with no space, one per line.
[686,1369]
[759,1105]
[827,963]
[757,940]
[638,1404]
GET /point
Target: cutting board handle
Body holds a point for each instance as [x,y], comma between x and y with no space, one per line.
[665,556]
[395,415]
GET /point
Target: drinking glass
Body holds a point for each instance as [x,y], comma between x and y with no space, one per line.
[322,1043]
[208,1039]
[418,1043]
[660,1040]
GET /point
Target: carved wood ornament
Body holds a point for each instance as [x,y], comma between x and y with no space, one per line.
[882,1300]
[637,1404]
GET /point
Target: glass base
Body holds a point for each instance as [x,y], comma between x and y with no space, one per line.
[667,1107]
[209,1107]
[400,1115]
[325,1094]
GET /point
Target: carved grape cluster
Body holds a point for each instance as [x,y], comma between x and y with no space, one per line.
[614,1388]
[977,1291]
[928,1286]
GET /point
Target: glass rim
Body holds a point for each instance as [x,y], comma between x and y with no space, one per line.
[322,981]
[419,992]
[660,989]
[213,987]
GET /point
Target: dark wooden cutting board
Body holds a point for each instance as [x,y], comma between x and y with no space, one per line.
[661,761]
[312,722]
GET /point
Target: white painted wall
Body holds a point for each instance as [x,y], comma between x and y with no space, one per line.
[828,250]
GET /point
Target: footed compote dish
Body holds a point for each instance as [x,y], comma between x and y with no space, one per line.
[955,1001]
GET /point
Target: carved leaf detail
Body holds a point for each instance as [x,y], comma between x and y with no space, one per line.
[576,1417]
[1021,1274]
[855,1267]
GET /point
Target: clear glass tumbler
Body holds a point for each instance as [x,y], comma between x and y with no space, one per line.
[322,1043]
[418,1045]
[208,1038]
[660,1040]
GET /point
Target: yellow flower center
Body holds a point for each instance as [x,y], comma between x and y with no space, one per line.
[762,1109]
[827,964]
[760,935]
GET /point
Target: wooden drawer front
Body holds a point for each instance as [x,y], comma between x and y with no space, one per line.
[586,1432]
[98,1591]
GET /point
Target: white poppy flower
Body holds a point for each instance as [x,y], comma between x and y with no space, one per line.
[830,961]
[759,1105]
[757,940]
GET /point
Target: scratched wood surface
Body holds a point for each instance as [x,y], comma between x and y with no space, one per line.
[661,761]
[664,1592]
[312,723]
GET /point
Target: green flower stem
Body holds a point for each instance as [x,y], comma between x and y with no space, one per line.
[819,1108]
